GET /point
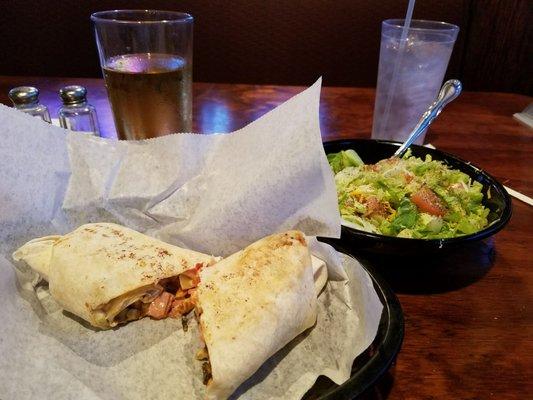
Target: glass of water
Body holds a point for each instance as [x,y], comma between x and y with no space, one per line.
[410,74]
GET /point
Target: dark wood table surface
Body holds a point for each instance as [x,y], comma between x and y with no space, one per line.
[468,315]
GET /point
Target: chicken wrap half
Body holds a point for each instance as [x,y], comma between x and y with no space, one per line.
[252,304]
[108,274]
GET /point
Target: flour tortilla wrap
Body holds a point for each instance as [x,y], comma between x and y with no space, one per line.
[100,269]
[252,304]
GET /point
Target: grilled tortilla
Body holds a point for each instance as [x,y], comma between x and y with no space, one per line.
[249,305]
[108,274]
[252,304]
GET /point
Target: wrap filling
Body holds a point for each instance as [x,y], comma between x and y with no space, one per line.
[170,297]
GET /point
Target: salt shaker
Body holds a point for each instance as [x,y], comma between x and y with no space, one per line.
[75,113]
[26,99]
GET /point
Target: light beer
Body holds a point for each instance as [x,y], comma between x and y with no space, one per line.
[149,94]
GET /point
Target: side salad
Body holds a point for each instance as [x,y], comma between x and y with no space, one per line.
[407,197]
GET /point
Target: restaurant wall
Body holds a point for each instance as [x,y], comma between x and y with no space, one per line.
[279,41]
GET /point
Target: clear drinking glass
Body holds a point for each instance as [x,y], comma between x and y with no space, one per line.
[409,81]
[146,59]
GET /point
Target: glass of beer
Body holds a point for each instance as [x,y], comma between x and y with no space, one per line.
[146,59]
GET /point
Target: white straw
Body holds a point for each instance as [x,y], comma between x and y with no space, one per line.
[397,64]
[519,196]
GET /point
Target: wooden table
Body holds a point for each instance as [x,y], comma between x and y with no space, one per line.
[468,318]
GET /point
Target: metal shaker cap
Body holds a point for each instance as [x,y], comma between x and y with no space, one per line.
[73,94]
[24,95]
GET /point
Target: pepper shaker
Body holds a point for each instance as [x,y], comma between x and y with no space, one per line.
[75,113]
[26,99]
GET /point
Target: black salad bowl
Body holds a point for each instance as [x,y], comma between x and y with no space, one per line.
[371,151]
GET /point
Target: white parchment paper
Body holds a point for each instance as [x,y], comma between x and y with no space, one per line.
[212,193]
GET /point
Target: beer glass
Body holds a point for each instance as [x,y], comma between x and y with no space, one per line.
[146,59]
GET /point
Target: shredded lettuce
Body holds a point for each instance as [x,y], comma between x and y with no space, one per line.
[385,197]
[406,216]
[342,159]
